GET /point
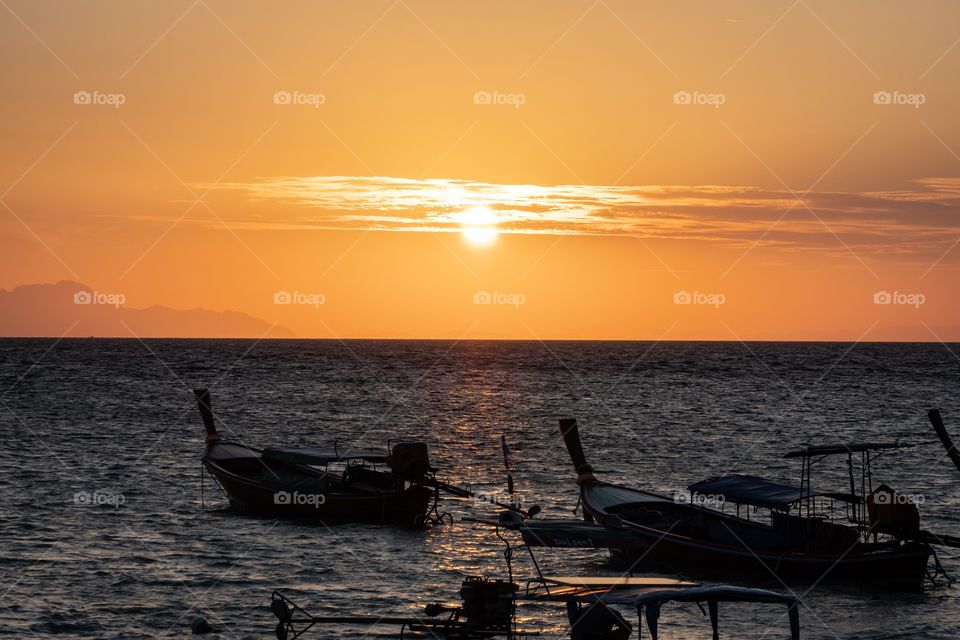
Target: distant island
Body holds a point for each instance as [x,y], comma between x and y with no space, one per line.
[72,309]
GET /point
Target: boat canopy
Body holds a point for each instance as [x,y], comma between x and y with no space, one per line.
[618,582]
[318,456]
[751,490]
[646,591]
[850,447]
[653,596]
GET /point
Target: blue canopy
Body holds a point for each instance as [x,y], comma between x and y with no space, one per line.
[751,490]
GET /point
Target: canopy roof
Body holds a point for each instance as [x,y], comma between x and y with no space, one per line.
[318,456]
[844,448]
[653,593]
[751,490]
[617,582]
[626,592]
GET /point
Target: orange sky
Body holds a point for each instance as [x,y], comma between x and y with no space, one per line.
[781,166]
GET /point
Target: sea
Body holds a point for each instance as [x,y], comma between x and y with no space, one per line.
[108,528]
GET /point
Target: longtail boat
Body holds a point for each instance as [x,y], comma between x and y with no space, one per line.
[392,487]
[489,607]
[865,535]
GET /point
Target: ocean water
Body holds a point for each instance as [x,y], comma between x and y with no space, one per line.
[117,418]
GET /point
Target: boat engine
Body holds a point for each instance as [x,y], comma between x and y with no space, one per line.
[410,460]
[487,604]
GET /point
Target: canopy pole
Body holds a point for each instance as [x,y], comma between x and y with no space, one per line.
[853,484]
[714,618]
[794,614]
[653,615]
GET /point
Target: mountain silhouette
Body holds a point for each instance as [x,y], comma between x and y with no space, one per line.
[72,309]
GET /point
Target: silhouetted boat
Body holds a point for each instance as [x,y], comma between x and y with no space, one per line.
[398,487]
[878,544]
[488,607]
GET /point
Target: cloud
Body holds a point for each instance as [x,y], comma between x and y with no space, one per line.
[925,216]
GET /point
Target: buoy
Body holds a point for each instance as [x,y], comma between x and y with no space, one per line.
[200,626]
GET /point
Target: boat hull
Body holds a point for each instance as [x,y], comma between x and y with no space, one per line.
[407,507]
[297,483]
[902,568]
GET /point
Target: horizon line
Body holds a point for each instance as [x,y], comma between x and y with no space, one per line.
[532,340]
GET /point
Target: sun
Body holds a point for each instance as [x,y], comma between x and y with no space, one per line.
[478,225]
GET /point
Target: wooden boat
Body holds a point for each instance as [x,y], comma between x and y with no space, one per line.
[876,543]
[395,487]
[488,607]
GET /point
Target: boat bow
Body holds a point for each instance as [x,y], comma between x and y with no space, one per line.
[571,438]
